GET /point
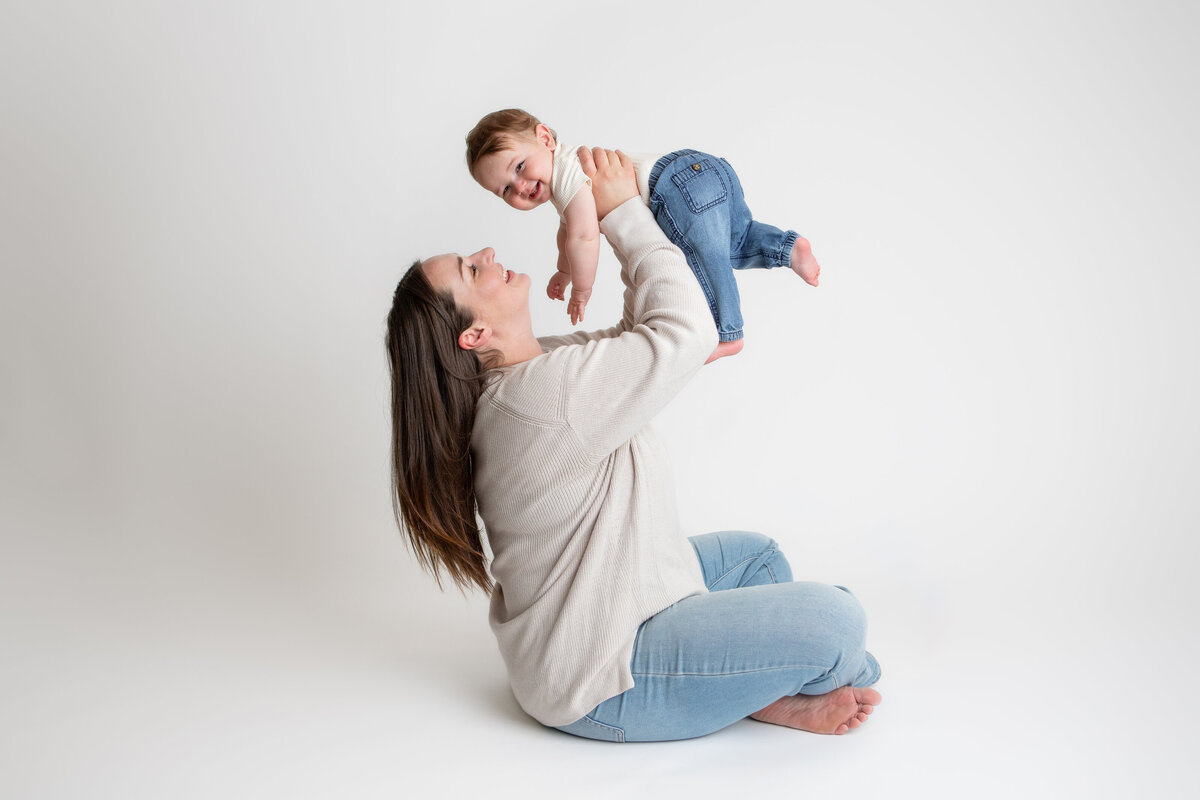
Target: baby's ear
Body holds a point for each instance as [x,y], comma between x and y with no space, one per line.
[545,136]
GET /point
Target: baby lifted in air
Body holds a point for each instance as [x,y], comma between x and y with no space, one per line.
[695,197]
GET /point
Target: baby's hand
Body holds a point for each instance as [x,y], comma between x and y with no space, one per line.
[556,289]
[579,301]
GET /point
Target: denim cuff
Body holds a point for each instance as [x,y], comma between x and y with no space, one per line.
[785,250]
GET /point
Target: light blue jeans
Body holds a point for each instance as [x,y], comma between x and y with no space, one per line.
[712,659]
[698,202]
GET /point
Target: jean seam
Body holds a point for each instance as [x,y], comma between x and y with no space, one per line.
[876,674]
[618,732]
[721,577]
[771,550]
[780,256]
[661,165]
[727,674]
[689,255]
[785,249]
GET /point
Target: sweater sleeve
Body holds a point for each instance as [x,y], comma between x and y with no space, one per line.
[549,343]
[614,385]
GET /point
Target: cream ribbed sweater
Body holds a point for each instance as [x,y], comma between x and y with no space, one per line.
[576,493]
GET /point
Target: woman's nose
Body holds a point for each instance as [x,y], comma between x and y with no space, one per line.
[489,254]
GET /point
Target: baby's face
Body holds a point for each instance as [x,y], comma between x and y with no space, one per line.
[520,176]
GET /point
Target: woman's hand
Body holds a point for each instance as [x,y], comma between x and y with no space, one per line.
[613,178]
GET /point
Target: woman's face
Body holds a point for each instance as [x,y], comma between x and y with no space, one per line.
[497,297]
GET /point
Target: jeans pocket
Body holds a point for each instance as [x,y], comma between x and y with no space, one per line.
[588,728]
[701,185]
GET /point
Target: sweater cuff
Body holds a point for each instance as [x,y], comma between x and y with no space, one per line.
[630,226]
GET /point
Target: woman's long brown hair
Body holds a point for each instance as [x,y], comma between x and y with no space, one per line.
[435,385]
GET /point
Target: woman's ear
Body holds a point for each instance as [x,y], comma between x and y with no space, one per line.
[474,337]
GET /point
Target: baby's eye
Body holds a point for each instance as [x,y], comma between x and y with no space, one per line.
[504,191]
[520,166]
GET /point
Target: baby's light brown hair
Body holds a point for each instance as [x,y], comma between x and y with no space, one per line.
[496,132]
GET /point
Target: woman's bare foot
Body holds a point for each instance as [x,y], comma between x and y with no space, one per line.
[836,712]
[803,263]
[726,349]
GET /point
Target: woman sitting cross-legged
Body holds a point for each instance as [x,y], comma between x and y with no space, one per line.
[613,626]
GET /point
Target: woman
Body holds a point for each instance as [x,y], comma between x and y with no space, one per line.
[611,624]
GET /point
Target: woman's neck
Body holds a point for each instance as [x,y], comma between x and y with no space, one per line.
[518,348]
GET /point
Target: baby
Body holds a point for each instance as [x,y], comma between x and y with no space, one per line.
[695,197]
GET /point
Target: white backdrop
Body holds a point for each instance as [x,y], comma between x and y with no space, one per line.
[983,421]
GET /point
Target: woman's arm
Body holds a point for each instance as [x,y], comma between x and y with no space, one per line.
[614,386]
[579,337]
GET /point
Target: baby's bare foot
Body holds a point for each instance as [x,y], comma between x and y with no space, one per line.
[726,349]
[803,263]
[836,712]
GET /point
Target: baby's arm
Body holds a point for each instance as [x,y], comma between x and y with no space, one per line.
[561,279]
[580,242]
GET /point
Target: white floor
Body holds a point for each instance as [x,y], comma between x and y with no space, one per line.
[125,679]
